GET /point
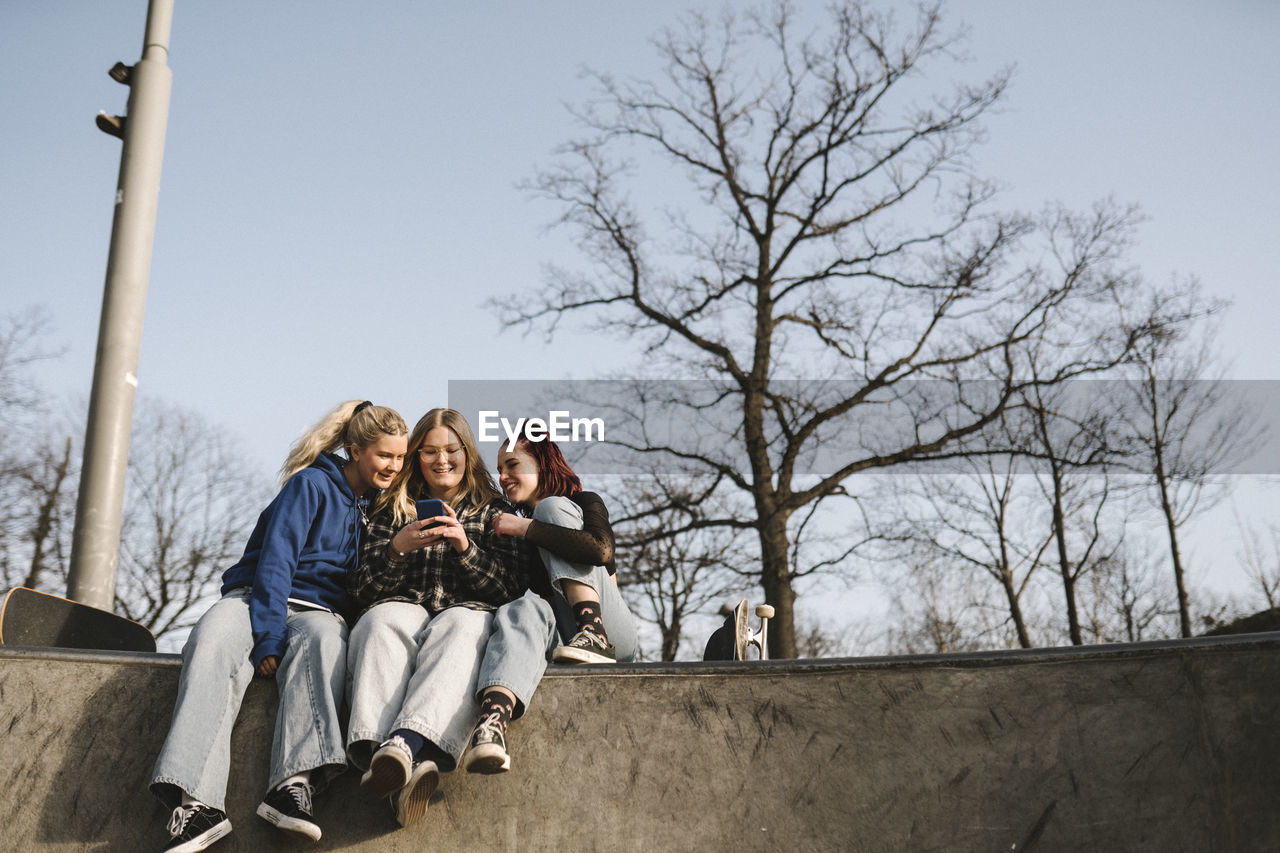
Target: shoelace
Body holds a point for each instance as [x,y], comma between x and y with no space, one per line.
[399,743]
[178,821]
[593,639]
[489,725]
[301,794]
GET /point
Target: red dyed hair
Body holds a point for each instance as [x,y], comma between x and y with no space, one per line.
[555,477]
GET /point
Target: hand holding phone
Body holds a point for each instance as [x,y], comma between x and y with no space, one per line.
[430,508]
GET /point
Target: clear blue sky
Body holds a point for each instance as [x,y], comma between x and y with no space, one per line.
[340,179]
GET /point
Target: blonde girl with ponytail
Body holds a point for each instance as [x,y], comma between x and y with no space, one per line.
[282,615]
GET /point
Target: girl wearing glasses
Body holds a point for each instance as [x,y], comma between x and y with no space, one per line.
[428,588]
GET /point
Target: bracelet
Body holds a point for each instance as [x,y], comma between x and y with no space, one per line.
[392,548]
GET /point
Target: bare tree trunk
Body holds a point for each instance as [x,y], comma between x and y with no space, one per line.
[671,637]
[1015,607]
[1060,531]
[44,520]
[776,580]
[1175,554]
[1064,562]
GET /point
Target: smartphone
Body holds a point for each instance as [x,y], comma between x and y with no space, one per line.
[430,508]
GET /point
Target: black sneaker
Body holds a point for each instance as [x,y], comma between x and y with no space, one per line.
[487,749]
[411,800]
[195,827]
[290,809]
[586,647]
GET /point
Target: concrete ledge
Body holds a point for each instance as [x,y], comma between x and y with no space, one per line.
[1162,747]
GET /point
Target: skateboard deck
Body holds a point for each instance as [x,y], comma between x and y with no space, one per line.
[29,617]
[741,631]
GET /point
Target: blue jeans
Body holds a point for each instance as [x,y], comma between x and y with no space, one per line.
[614,613]
[411,670]
[196,756]
[527,630]
[524,633]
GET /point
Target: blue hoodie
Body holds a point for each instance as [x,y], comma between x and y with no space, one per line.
[305,543]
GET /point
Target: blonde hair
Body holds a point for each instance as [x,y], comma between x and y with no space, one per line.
[354,423]
[477,487]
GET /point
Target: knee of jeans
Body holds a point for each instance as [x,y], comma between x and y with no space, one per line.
[530,608]
[388,624]
[559,511]
[321,636]
[216,654]
[460,622]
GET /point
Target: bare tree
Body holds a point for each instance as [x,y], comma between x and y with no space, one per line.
[49,482]
[666,577]
[1126,602]
[191,500]
[1260,561]
[1185,428]
[938,609]
[34,468]
[818,640]
[23,343]
[1073,446]
[976,514]
[831,228]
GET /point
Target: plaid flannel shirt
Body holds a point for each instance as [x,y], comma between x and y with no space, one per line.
[492,571]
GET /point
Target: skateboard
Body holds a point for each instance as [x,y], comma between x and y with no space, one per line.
[733,639]
[29,617]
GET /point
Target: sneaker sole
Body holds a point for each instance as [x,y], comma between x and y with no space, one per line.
[385,776]
[289,824]
[488,759]
[204,839]
[564,654]
[411,803]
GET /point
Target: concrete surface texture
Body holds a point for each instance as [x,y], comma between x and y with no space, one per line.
[1161,747]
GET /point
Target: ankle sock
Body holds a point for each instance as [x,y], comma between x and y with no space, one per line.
[494,702]
[587,615]
[412,739]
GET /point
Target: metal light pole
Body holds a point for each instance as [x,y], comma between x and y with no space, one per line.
[96,542]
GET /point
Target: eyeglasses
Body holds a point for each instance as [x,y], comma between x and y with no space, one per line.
[433,452]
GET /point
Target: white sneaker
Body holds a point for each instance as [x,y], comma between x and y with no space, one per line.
[411,801]
[389,769]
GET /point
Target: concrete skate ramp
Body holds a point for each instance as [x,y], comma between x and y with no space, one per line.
[1160,747]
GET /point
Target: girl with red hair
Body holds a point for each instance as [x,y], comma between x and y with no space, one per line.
[577,613]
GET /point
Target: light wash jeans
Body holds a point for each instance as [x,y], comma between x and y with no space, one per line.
[524,633]
[196,756]
[526,630]
[411,670]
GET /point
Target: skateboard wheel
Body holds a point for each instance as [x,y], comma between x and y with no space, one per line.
[764,611]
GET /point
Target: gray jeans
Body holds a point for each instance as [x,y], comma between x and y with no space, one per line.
[196,756]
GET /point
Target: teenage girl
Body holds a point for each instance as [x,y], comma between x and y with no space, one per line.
[579,603]
[429,588]
[281,616]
